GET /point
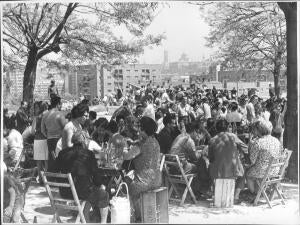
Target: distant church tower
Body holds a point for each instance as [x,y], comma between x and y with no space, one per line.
[166,60]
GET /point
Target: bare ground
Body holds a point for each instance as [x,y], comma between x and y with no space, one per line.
[38,204]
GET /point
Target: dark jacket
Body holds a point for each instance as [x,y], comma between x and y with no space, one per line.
[223,154]
[81,163]
[22,119]
[165,139]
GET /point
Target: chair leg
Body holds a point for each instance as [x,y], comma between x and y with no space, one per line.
[191,191]
[183,196]
[266,197]
[170,191]
[279,194]
[258,193]
[23,218]
[82,218]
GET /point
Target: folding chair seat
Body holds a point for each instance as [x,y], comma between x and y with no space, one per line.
[61,203]
[173,162]
[271,182]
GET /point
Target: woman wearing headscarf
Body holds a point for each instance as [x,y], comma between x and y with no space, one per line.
[146,160]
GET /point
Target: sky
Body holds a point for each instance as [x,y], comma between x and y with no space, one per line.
[185,32]
[184,29]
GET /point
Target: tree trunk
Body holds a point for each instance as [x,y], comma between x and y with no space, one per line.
[29,76]
[291,116]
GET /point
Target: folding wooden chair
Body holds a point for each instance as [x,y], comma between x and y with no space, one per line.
[60,203]
[173,161]
[272,181]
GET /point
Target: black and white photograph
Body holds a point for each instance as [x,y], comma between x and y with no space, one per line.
[175,112]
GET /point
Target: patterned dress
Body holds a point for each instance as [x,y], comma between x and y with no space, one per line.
[261,150]
[147,174]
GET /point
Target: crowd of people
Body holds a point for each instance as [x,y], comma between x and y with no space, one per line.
[239,135]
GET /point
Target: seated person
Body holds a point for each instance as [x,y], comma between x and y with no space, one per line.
[184,144]
[99,134]
[223,154]
[200,135]
[14,146]
[146,159]
[83,166]
[261,149]
[168,134]
[89,124]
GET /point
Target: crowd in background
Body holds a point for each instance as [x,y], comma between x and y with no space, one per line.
[239,133]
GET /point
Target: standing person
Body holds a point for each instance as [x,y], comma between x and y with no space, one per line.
[234,116]
[6,118]
[250,108]
[40,147]
[243,109]
[184,110]
[206,108]
[149,107]
[22,117]
[52,90]
[271,91]
[80,113]
[52,125]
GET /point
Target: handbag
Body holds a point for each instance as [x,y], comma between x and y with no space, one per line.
[120,207]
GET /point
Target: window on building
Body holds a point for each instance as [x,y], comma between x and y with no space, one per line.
[108,83]
[128,71]
[120,71]
[153,70]
[136,71]
[108,90]
[143,71]
[147,71]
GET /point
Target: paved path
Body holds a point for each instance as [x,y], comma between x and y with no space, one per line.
[37,204]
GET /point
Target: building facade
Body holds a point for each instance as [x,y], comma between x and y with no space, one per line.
[88,80]
[43,78]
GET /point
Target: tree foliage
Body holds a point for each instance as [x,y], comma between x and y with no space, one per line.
[78,32]
[248,34]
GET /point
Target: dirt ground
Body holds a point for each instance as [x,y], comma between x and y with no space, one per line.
[38,204]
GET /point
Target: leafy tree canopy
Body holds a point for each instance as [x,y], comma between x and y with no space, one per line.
[247,34]
[78,32]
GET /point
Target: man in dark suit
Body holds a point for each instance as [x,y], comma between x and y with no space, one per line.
[22,117]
